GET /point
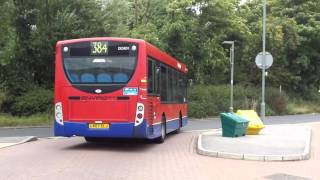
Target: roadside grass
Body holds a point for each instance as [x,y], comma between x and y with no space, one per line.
[302,107]
[7,120]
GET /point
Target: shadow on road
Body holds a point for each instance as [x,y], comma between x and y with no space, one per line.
[120,145]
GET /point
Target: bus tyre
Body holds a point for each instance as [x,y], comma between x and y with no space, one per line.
[163,132]
[180,126]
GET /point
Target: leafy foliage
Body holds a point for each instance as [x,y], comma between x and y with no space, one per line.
[190,30]
[32,102]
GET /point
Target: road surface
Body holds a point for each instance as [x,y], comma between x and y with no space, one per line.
[175,159]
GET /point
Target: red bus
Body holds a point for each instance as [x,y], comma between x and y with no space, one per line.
[118,88]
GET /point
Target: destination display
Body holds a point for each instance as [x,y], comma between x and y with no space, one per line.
[99,48]
[102,48]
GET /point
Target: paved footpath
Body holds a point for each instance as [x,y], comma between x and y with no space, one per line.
[176,159]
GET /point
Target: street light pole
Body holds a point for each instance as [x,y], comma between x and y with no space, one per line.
[232,72]
[263,105]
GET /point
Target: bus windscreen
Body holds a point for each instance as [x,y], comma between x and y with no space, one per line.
[99,62]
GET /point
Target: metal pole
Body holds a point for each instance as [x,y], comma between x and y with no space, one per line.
[232,72]
[231,58]
[263,105]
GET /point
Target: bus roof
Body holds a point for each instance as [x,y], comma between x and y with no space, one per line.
[152,51]
[99,39]
[156,53]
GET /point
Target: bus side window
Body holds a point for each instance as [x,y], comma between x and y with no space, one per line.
[170,87]
[151,76]
[156,78]
[175,86]
[163,83]
[180,88]
[185,85]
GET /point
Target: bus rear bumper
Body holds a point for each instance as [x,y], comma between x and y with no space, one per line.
[115,130]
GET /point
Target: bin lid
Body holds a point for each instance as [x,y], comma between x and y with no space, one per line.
[250,115]
[235,117]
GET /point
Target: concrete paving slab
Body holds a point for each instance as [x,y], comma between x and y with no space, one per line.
[275,143]
[11,141]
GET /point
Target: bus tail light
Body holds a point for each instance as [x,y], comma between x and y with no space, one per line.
[58,113]
[139,114]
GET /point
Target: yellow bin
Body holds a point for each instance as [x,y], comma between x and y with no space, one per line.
[255,123]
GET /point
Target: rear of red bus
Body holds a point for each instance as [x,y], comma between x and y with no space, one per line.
[101,88]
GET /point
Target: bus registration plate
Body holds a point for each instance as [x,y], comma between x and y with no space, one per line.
[98,126]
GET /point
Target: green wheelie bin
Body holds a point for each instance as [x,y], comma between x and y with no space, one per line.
[233,125]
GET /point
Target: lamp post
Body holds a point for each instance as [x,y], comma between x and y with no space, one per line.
[232,72]
[263,105]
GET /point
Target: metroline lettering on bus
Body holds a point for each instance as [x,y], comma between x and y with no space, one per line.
[118,88]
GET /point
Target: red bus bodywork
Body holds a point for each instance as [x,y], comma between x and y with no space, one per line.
[79,108]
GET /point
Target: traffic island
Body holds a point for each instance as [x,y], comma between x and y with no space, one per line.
[11,141]
[275,143]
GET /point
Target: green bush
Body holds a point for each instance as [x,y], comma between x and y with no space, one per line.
[199,103]
[32,102]
[311,94]
[197,109]
[2,99]
[246,97]
[276,101]
[269,111]
[211,100]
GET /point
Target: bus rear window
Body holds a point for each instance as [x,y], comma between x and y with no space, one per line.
[99,62]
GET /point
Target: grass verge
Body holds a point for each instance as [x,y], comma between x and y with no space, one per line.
[7,120]
[302,107]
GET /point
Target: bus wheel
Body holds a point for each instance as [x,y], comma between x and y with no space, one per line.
[163,131]
[93,139]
